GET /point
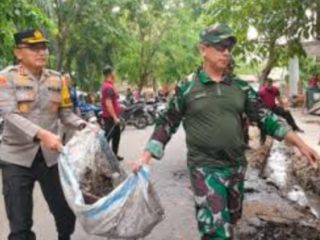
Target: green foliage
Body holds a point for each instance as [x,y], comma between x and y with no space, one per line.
[308,67]
[162,37]
[280,26]
[154,41]
[17,15]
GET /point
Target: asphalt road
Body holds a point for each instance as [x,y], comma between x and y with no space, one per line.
[171,181]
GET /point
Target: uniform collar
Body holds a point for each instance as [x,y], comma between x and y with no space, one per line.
[205,78]
[25,72]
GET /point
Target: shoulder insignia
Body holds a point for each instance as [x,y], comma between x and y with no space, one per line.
[53,72]
[54,81]
[8,69]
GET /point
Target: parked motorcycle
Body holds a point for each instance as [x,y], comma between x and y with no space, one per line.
[91,113]
[133,115]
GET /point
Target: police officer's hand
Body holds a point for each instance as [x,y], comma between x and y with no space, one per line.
[49,140]
[116,121]
[144,160]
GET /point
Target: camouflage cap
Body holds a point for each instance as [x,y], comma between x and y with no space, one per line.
[216,33]
[30,37]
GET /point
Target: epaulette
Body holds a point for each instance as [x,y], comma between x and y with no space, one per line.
[9,69]
[53,72]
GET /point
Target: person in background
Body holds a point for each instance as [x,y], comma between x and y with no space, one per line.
[111,109]
[130,96]
[33,99]
[313,91]
[269,94]
[210,104]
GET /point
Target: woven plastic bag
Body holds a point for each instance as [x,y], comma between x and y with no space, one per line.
[129,211]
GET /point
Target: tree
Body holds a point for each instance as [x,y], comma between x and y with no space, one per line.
[162,41]
[280,26]
[17,15]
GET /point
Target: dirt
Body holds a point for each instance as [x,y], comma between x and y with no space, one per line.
[283,231]
[306,176]
[266,196]
[95,185]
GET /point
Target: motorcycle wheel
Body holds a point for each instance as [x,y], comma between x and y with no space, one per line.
[150,119]
[141,122]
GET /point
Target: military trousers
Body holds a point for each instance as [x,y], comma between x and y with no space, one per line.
[218,200]
[18,185]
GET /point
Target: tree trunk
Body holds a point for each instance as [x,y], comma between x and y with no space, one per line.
[318,21]
[270,63]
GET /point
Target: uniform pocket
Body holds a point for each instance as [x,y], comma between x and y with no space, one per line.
[25,97]
[196,103]
[54,101]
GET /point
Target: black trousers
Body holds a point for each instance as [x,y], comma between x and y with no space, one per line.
[280,111]
[18,184]
[112,132]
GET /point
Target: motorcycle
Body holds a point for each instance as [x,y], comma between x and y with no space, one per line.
[152,110]
[133,115]
[91,113]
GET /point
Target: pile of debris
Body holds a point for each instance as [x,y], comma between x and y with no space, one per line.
[100,179]
[271,230]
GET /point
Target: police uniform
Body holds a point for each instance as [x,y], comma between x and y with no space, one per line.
[28,105]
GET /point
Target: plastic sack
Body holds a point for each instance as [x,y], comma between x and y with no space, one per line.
[129,211]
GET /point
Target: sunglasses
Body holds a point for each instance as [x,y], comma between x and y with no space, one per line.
[223,45]
[34,47]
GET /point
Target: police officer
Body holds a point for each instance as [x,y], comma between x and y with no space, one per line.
[33,99]
[211,103]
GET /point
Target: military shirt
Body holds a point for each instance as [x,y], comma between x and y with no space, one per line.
[211,113]
[28,105]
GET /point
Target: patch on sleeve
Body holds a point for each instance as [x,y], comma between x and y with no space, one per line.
[65,96]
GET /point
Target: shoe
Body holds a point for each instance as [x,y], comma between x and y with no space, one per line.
[119,158]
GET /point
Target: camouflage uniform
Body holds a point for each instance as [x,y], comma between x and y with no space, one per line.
[211,114]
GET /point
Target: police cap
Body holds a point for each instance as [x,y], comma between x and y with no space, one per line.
[30,37]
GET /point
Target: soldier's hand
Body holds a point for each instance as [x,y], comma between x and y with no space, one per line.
[49,140]
[144,160]
[311,156]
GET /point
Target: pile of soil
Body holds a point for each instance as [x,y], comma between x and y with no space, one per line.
[95,185]
[306,176]
[283,231]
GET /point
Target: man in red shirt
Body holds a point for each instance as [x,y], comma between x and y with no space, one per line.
[269,94]
[110,109]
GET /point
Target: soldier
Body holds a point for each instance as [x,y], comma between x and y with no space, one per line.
[33,99]
[210,104]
